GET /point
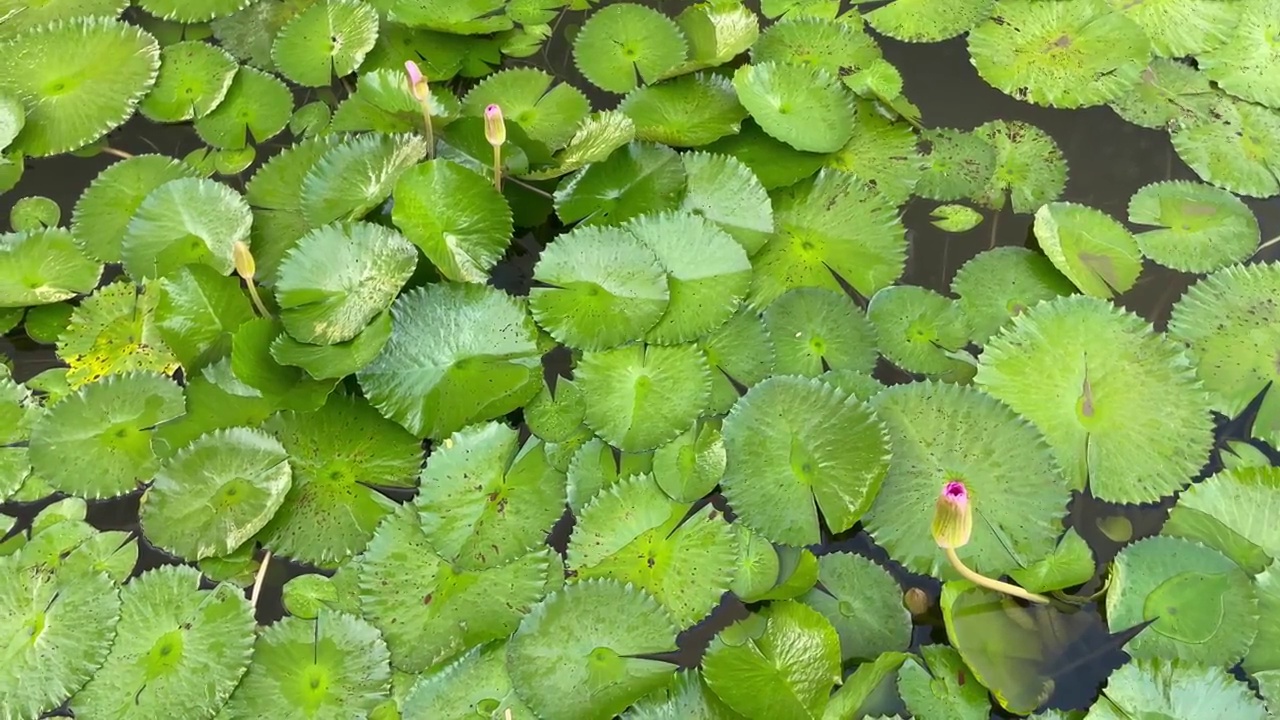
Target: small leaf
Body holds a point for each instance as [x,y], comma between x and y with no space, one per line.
[256,108]
[1029,167]
[191,11]
[815,330]
[332,362]
[1090,247]
[689,467]
[918,329]
[961,165]
[42,267]
[194,78]
[1234,146]
[955,218]
[1235,59]
[741,353]
[1002,283]
[837,47]
[882,153]
[717,33]
[938,687]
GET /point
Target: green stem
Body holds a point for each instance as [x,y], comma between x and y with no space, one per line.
[990,584]
[257,299]
[428,131]
[497,167]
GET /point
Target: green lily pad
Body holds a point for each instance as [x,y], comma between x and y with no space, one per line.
[961,165]
[725,191]
[882,153]
[22,15]
[920,21]
[485,499]
[863,603]
[1089,247]
[690,466]
[741,353]
[178,649]
[194,78]
[430,611]
[717,33]
[796,446]
[191,11]
[832,223]
[97,442]
[804,107]
[185,221]
[1030,170]
[596,466]
[334,667]
[638,179]
[1071,563]
[304,595]
[936,686]
[42,267]
[1239,56]
[197,313]
[464,237]
[356,176]
[579,654]
[79,79]
[1228,512]
[1228,322]
[1263,658]
[942,432]
[216,493]
[114,331]
[594,140]
[1168,93]
[104,209]
[639,397]
[634,533]
[686,697]
[548,114]
[1203,228]
[338,278]
[1175,690]
[602,287]
[556,415]
[955,218]
[1069,54]
[624,44]
[1178,29]
[918,329]
[475,684]
[340,455]
[758,567]
[688,111]
[837,47]
[255,373]
[1119,404]
[999,284]
[782,662]
[255,109]
[775,163]
[815,330]
[434,380]
[332,362]
[330,37]
[1235,146]
[1201,605]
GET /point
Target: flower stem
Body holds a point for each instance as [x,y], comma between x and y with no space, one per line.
[257,299]
[428,131]
[118,153]
[991,584]
[497,167]
[257,580]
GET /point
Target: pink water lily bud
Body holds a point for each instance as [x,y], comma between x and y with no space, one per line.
[952,516]
[417,81]
[495,128]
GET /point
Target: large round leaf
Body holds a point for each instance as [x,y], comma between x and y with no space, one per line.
[1240,57]
[625,40]
[863,602]
[1234,145]
[485,500]
[338,278]
[1119,404]
[725,191]
[641,396]
[78,78]
[837,47]
[97,442]
[216,493]
[179,650]
[1202,228]
[579,654]
[547,114]
[1178,691]
[688,111]
[919,329]
[804,107]
[42,267]
[1178,28]
[921,21]
[185,221]
[1001,283]
[815,330]
[456,216]
[191,11]
[194,78]
[941,433]
[458,354]
[796,446]
[1090,247]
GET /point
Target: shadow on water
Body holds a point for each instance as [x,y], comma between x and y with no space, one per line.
[1109,160]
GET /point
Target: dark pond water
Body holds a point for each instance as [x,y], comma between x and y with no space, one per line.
[1109,160]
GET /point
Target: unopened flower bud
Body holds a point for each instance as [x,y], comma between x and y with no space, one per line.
[417,82]
[243,259]
[495,128]
[952,516]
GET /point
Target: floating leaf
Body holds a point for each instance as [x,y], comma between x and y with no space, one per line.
[686,696]
[937,686]
[556,415]
[114,331]
[275,194]
[595,139]
[724,191]
[921,21]
[470,685]
[942,432]
[863,603]
[639,397]
[796,446]
[178,649]
[194,78]
[918,329]
[1230,323]
[1069,54]
[1228,512]
[185,221]
[1176,690]
[215,493]
[1201,605]
[21,15]
[79,79]
[688,111]
[602,287]
[256,108]
[830,224]
[304,595]
[579,654]
[1203,228]
[624,40]
[960,165]
[331,362]
[43,266]
[486,500]
[104,209]
[331,37]
[340,455]
[547,114]
[1118,403]
[717,33]
[690,466]
[338,278]
[1168,93]
[331,668]
[1239,57]
[1235,147]
[740,352]
[1091,248]
[1029,168]
[197,313]
[642,178]
[59,627]
[430,611]
[34,213]
[97,442]
[351,179]
[955,218]
[1002,283]
[782,662]
[255,373]
[774,163]
[458,354]
[1071,563]
[465,236]
[803,107]
[1177,29]
[836,47]
[596,466]
[815,330]
[191,11]
[881,153]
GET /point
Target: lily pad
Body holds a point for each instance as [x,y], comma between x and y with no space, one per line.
[942,432]
[960,165]
[1178,29]
[433,379]
[863,603]
[594,140]
[547,113]
[1090,247]
[191,11]
[999,284]
[1229,322]
[596,466]
[955,218]
[775,163]
[330,37]
[216,493]
[804,107]
[882,153]
[354,177]
[1168,93]
[815,330]
[686,697]
[796,446]
[194,78]
[918,329]
[1235,147]
[1176,690]
[104,209]
[936,686]
[688,111]
[717,33]
[255,109]
[42,267]
[114,331]
[725,191]
[689,467]
[641,396]
[21,15]
[920,21]
[1201,605]
[1203,228]
[580,654]
[1227,512]
[1068,54]
[635,180]
[1030,170]
[185,221]
[1239,56]
[624,44]
[471,685]
[178,649]
[97,442]
[331,362]
[1119,404]
[741,353]
[197,313]
[835,46]
[78,78]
